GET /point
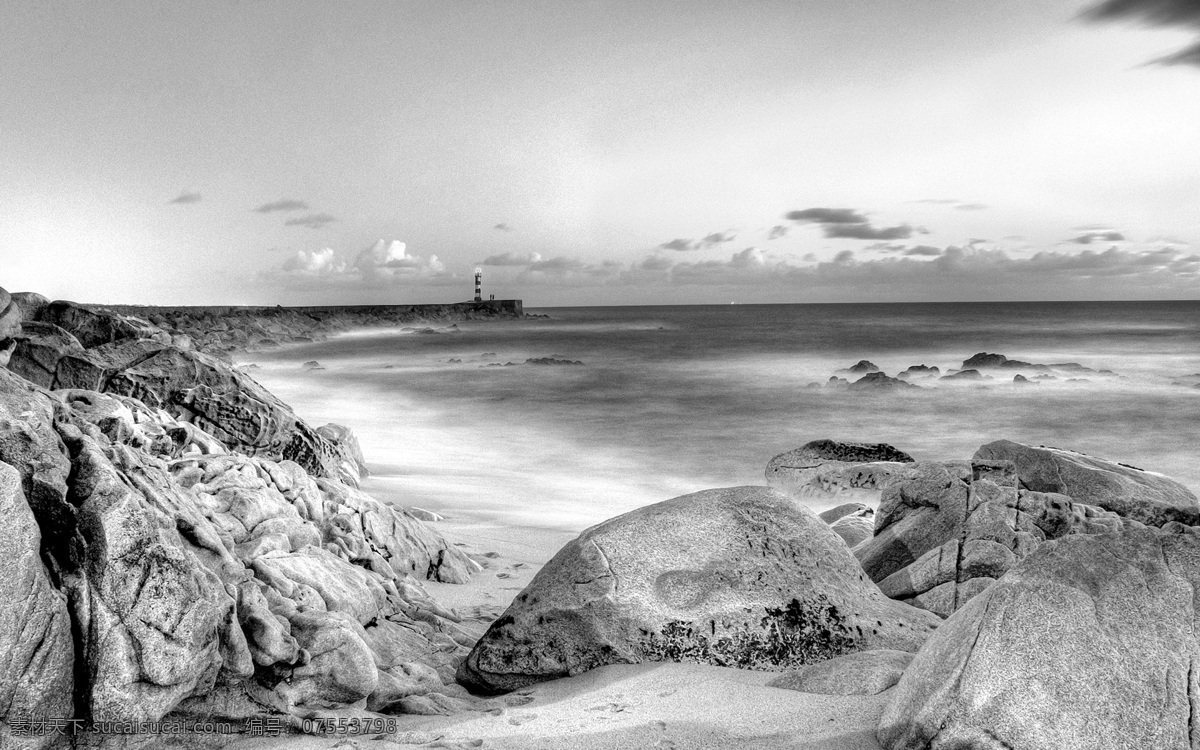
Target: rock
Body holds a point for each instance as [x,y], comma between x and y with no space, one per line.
[1022,380]
[835,381]
[1089,644]
[740,576]
[30,304]
[944,532]
[340,669]
[965,375]
[551,361]
[879,381]
[985,361]
[149,580]
[917,372]
[855,529]
[833,450]
[845,509]
[1126,490]
[825,469]
[10,316]
[863,673]
[352,467]
[37,653]
[312,364]
[72,346]
[861,368]
[425,515]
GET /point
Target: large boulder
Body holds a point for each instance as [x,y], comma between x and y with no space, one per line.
[37,653]
[1089,644]
[1130,492]
[945,531]
[822,471]
[10,316]
[741,576]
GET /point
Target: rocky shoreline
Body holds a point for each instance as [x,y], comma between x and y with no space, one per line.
[179,545]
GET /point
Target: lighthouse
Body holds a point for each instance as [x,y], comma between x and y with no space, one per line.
[478,285]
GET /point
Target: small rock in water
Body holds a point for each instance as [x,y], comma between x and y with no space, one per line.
[861,368]
[551,361]
[877,380]
[425,515]
[965,375]
[312,364]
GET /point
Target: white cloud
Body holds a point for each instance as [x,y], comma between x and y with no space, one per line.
[314,262]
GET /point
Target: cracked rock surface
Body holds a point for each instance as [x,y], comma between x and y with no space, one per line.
[1088,644]
[740,577]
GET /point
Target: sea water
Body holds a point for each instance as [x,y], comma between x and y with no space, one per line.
[676,399]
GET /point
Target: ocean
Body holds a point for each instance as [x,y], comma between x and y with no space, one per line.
[675,399]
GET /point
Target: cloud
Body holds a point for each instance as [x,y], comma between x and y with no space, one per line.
[826,216]
[312,221]
[867,232]
[511,259]
[1101,236]
[283,204]
[846,223]
[953,203]
[924,251]
[503,227]
[777,232]
[903,249]
[383,265]
[1165,13]
[185,197]
[717,238]
[314,263]
[704,243]
[751,257]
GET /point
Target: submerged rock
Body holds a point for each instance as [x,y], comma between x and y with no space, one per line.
[1146,496]
[739,577]
[1089,644]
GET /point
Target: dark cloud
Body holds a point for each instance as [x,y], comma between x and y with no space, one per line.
[826,216]
[846,223]
[312,221]
[186,197]
[1105,236]
[845,256]
[971,206]
[503,227]
[865,231]
[1167,13]
[777,232]
[926,251]
[704,243]
[717,238]
[511,259]
[283,204]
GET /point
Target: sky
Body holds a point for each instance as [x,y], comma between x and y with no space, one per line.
[599,152]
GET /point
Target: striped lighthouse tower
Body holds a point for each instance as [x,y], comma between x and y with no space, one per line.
[478,287]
